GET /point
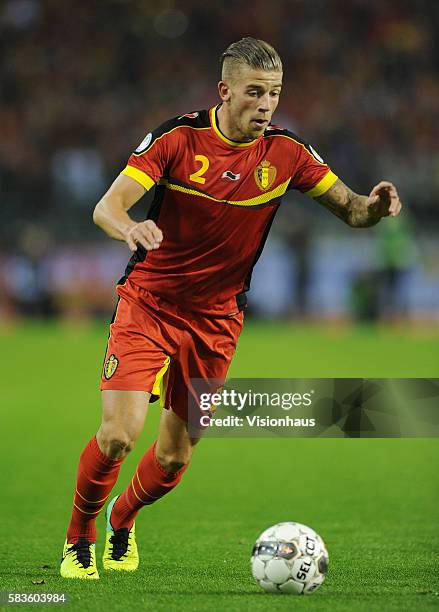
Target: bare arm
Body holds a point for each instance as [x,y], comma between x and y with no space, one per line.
[110,214]
[359,210]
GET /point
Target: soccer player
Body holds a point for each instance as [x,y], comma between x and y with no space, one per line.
[219,178]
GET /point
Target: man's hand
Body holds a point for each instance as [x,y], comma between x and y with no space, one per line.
[145,234]
[111,215]
[384,201]
[359,210]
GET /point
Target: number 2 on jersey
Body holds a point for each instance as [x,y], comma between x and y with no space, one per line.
[197,177]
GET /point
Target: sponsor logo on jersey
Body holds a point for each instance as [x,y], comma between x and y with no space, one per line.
[110,366]
[265,175]
[144,144]
[230,175]
[190,115]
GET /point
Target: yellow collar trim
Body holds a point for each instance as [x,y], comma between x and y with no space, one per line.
[218,132]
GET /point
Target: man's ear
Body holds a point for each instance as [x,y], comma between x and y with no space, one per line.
[224,91]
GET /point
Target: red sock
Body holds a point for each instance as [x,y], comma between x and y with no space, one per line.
[97,475]
[149,483]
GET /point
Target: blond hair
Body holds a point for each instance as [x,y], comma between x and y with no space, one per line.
[253,52]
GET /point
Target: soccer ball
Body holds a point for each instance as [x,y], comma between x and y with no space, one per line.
[289,558]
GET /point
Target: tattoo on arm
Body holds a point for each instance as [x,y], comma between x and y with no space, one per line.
[347,205]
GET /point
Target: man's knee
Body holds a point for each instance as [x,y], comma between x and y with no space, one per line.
[123,417]
[173,460]
[115,444]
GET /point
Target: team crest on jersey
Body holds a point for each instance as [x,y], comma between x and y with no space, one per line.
[265,175]
[110,366]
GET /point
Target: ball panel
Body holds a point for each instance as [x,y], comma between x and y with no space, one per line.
[303,569]
[309,545]
[313,585]
[288,550]
[277,571]
[323,564]
[268,586]
[286,532]
[291,587]
[304,529]
[265,550]
[258,568]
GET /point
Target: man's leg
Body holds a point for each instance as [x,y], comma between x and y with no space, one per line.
[158,472]
[123,417]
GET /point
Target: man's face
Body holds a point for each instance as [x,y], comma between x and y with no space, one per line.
[251,97]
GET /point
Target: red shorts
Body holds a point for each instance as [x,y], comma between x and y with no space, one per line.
[156,346]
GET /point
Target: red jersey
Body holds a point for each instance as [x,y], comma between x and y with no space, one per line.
[215,201]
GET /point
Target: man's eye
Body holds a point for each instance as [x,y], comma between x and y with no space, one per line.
[253,93]
[275,93]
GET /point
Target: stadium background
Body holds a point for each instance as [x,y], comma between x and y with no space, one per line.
[81,83]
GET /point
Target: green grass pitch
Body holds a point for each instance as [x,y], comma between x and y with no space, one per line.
[375,502]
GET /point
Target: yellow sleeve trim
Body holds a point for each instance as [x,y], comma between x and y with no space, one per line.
[322,186]
[139,176]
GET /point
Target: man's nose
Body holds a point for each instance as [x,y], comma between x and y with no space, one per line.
[264,103]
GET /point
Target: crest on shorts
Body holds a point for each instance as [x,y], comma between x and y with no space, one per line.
[265,175]
[110,366]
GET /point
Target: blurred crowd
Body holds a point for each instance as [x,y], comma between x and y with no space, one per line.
[81,83]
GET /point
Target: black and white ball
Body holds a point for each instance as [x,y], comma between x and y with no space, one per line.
[289,558]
